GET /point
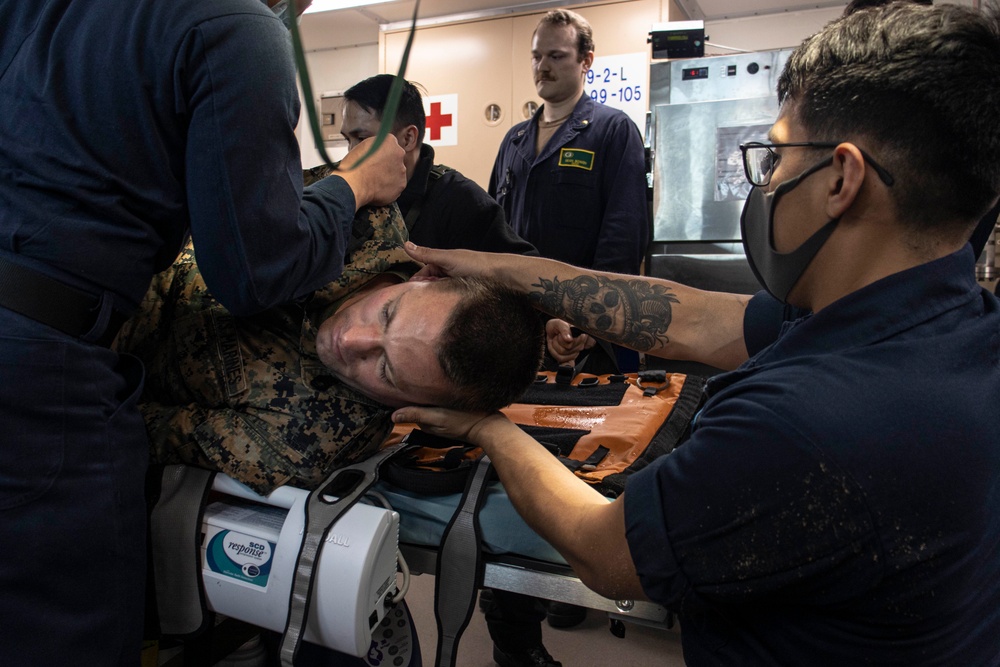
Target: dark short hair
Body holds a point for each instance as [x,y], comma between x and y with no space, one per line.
[564,17]
[919,87]
[855,5]
[492,344]
[373,93]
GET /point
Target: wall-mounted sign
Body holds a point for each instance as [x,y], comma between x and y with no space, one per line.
[442,120]
[621,82]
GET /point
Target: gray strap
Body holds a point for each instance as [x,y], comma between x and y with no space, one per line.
[346,486]
[175,529]
[460,567]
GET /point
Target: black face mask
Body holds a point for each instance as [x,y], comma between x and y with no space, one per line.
[778,272]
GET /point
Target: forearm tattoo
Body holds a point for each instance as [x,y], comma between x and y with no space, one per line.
[632,313]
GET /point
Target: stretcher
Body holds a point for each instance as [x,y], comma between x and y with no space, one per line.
[516,558]
[353,594]
[286,563]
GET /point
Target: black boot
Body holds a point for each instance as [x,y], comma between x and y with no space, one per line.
[536,656]
[565,615]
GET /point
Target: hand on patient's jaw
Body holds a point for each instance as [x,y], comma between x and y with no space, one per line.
[380,178]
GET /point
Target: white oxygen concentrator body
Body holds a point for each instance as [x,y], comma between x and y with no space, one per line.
[249,548]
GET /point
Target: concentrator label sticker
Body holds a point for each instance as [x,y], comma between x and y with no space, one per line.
[574,157]
[241,557]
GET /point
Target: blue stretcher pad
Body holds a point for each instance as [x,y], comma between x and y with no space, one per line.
[423,519]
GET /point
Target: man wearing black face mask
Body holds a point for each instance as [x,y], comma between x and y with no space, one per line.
[835,503]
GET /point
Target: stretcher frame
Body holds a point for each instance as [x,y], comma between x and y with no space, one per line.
[542,579]
[556,581]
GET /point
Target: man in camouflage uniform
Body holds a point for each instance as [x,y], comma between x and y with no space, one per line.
[250,396]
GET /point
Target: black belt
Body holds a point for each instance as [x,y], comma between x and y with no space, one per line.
[72,311]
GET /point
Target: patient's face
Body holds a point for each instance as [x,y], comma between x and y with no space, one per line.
[385,342]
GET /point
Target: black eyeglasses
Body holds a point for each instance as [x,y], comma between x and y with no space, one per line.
[759,160]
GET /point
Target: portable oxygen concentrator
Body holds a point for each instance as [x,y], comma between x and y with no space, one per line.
[249,549]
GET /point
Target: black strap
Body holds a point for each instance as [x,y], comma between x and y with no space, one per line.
[588,393]
[53,303]
[433,176]
[591,462]
[674,431]
[460,567]
[659,381]
[346,485]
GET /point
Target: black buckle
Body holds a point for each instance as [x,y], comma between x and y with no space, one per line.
[658,377]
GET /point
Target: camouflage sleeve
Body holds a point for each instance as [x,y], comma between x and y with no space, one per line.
[173,291]
[222,439]
[318,173]
[259,448]
[376,247]
[376,228]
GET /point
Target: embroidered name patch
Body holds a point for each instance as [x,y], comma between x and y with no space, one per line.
[228,348]
[575,157]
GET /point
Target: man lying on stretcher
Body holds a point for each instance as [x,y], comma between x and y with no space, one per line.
[287,395]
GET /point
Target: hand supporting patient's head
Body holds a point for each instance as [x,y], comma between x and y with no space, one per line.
[462,343]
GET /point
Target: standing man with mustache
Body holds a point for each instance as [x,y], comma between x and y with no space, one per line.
[572,179]
[572,182]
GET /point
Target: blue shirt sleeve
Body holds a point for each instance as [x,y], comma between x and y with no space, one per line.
[260,240]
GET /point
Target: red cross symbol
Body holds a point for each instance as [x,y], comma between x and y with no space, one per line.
[436,120]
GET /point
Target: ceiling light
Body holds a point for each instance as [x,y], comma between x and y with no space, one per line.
[330,5]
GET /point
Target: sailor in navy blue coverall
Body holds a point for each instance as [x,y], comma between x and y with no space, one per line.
[125,126]
[572,179]
[582,200]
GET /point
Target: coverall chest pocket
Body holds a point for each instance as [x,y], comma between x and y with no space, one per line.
[574,199]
